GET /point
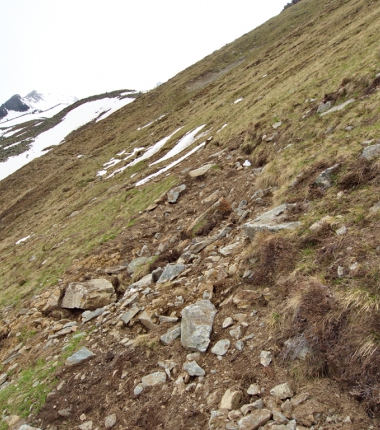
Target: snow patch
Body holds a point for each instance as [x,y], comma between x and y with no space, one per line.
[182,144]
[224,126]
[238,101]
[147,125]
[165,169]
[22,240]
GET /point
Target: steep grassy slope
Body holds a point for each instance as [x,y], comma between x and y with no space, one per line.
[327,283]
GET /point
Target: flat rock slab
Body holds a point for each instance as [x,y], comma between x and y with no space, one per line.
[255,420]
[90,315]
[201,171]
[196,325]
[250,229]
[89,295]
[82,355]
[170,272]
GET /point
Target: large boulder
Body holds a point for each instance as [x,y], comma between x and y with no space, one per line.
[196,325]
[89,295]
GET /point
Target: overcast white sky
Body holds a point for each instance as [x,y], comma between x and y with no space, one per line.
[86,47]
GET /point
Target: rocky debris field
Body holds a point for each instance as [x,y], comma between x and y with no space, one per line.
[158,330]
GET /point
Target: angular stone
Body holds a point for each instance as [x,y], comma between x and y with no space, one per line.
[110,421]
[145,318]
[255,420]
[324,179]
[196,325]
[279,418]
[221,347]
[200,171]
[282,391]
[82,355]
[156,378]
[230,400]
[130,314]
[91,295]
[171,335]
[142,283]
[254,390]
[193,369]
[53,300]
[265,358]
[323,107]
[174,193]
[371,152]
[170,272]
[227,322]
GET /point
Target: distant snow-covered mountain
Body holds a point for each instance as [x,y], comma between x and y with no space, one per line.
[34,102]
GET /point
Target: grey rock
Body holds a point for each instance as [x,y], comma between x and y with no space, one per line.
[142,283]
[250,229]
[138,389]
[277,124]
[156,378]
[323,107]
[193,369]
[82,355]
[171,335]
[174,193]
[228,322]
[371,152]
[236,332]
[255,420]
[239,345]
[265,358]
[247,409]
[324,179]
[282,391]
[90,315]
[130,314]
[338,108]
[196,325]
[110,421]
[270,221]
[91,295]
[170,272]
[221,347]
[200,171]
[86,426]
